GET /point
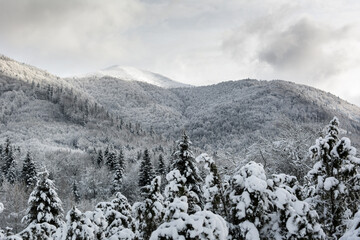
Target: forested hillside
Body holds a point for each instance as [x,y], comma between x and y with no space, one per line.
[108,146]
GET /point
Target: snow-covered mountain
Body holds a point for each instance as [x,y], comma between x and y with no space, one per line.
[135,74]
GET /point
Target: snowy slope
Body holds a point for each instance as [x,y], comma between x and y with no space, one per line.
[134,74]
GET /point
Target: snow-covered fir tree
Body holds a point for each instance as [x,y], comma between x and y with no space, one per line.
[262,208]
[117,214]
[118,173]
[150,212]
[77,227]
[121,159]
[29,174]
[334,181]
[111,160]
[213,188]
[180,225]
[184,162]
[44,213]
[146,171]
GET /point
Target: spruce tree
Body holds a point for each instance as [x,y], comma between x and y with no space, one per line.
[121,159]
[29,174]
[78,226]
[146,172]
[161,170]
[111,160]
[118,176]
[44,203]
[150,212]
[333,182]
[184,162]
[44,213]
[100,158]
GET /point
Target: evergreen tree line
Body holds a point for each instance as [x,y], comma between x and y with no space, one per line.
[11,172]
[246,205]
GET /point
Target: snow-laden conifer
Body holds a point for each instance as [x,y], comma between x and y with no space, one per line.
[334,181]
[29,174]
[184,162]
[149,213]
[44,213]
[146,171]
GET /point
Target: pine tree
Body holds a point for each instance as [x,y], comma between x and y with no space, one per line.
[150,212]
[100,158]
[44,213]
[146,172]
[29,174]
[334,182]
[11,175]
[184,162]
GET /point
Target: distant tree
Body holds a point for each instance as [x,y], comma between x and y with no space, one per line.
[111,160]
[146,172]
[29,174]
[100,158]
[161,170]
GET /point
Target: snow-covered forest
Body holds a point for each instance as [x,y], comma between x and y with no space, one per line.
[179,201]
[100,157]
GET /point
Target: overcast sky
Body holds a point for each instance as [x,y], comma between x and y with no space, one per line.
[314,42]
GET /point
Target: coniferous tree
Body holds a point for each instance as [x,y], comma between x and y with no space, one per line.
[8,157]
[333,182]
[146,172]
[213,188]
[161,170]
[78,227]
[150,212]
[100,158]
[29,174]
[184,162]
[111,160]
[118,176]
[44,213]
[121,160]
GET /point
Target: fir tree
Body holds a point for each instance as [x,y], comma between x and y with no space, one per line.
[150,212]
[100,158]
[146,172]
[118,176]
[184,162]
[44,203]
[213,188]
[29,174]
[161,170]
[121,159]
[8,157]
[44,213]
[111,160]
[334,182]
[78,226]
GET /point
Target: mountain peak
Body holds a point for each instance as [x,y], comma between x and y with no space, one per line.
[127,73]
